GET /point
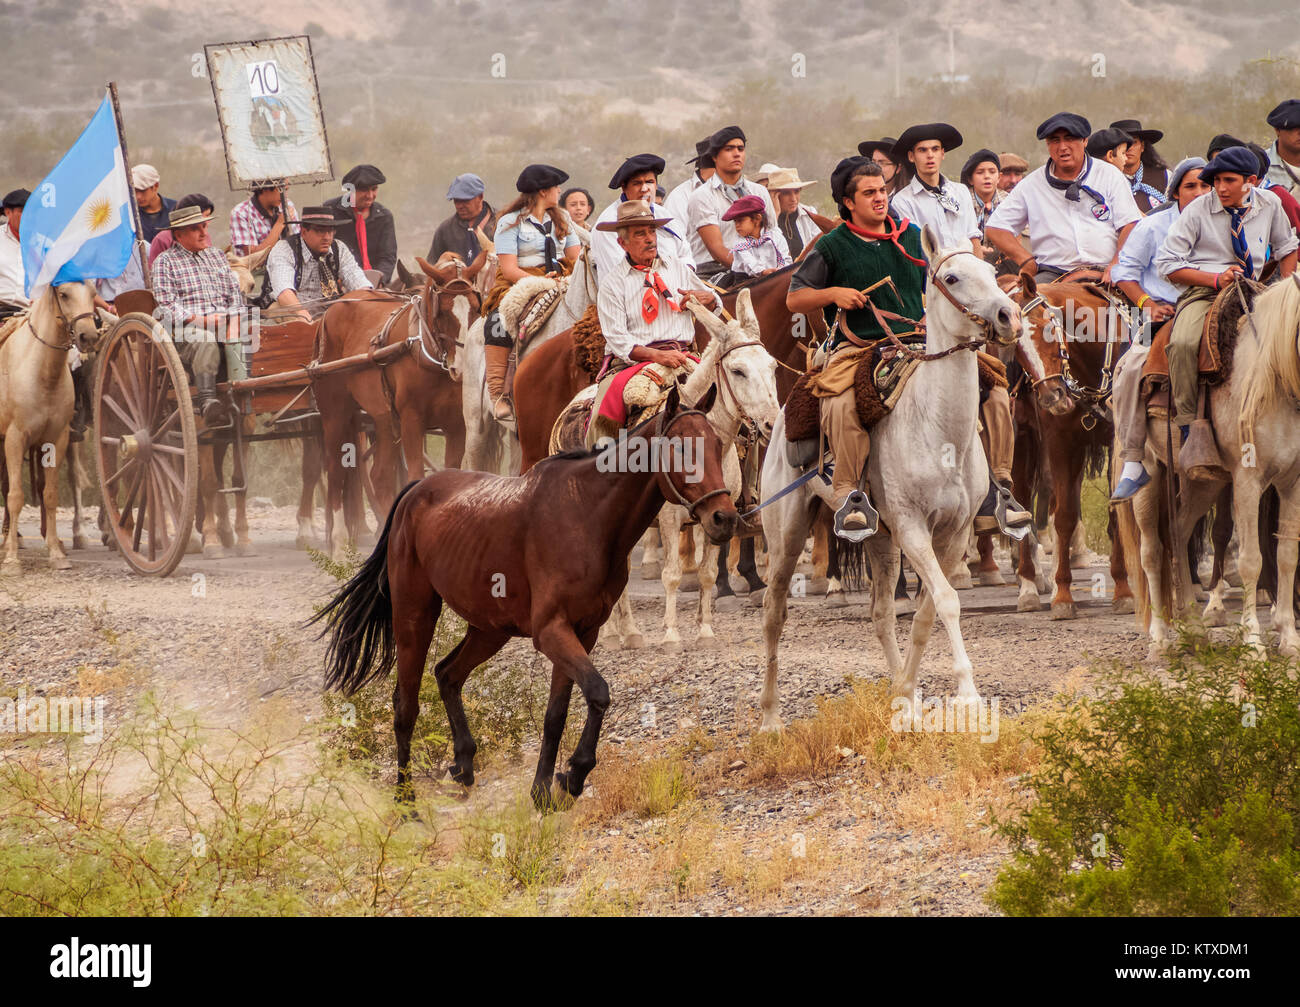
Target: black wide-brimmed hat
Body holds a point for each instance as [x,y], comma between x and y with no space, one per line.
[319,216]
[1134,128]
[886,143]
[636,165]
[701,150]
[537,177]
[941,131]
[364,176]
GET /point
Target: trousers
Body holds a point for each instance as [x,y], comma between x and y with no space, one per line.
[999,434]
[1125,401]
[1184,351]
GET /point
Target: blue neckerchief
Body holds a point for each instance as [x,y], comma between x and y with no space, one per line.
[1074,189]
[1237,229]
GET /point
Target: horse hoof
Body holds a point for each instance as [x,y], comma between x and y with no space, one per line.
[1029,603]
[634,642]
[836,599]
[771,724]
[1064,610]
[818,585]
[737,584]
[706,642]
[961,579]
[79,542]
[214,552]
[465,777]
[245,549]
[304,542]
[227,537]
[1215,617]
[727,603]
[1123,605]
[652,570]
[756,597]
[991,578]
[671,646]
[60,563]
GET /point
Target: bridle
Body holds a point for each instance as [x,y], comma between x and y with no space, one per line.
[661,429]
[1093,400]
[69,324]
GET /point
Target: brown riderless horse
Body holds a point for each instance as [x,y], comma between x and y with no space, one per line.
[543,555]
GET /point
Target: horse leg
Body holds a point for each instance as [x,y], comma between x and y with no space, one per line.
[1245,512]
[1220,534]
[710,571]
[1288,548]
[76,482]
[415,616]
[1122,601]
[651,565]
[477,647]
[209,483]
[747,565]
[990,575]
[13,500]
[1068,476]
[722,577]
[670,524]
[941,599]
[243,544]
[312,463]
[821,558]
[785,542]
[571,656]
[50,492]
[686,549]
[334,436]
[886,566]
[622,623]
[557,714]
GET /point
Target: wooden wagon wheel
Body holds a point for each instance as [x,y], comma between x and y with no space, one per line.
[146,445]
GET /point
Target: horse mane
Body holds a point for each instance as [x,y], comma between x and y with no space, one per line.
[585,454]
[1276,372]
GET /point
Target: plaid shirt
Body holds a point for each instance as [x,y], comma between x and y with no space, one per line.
[280,263]
[249,228]
[195,283]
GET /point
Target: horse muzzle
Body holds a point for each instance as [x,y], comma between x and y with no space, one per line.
[1004,326]
[1053,397]
[720,524]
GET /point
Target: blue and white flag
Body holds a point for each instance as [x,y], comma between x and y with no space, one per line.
[77,225]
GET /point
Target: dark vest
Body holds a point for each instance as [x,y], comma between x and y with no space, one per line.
[330,259]
[852,262]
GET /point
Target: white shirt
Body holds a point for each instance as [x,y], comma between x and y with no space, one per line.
[710,201]
[1201,238]
[805,225]
[1063,233]
[921,206]
[619,307]
[11,267]
[753,255]
[1137,259]
[280,266]
[1278,173]
[606,251]
[678,206]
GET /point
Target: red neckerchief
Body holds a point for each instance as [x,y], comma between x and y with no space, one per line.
[655,286]
[891,234]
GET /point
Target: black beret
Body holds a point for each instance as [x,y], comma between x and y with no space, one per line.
[537,177]
[701,150]
[17,199]
[840,179]
[1235,160]
[1286,115]
[637,165]
[363,176]
[1222,142]
[975,160]
[723,137]
[1106,140]
[1075,125]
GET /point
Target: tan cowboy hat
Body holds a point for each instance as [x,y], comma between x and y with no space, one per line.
[633,213]
[786,178]
[185,216]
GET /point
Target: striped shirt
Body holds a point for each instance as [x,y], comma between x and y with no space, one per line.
[279,266]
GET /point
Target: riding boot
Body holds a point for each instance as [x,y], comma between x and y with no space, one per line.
[1001,513]
[210,407]
[497,361]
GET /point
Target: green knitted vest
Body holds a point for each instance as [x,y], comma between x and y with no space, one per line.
[852,262]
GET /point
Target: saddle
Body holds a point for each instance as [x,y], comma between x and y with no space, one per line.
[1218,340]
[643,395]
[528,304]
[588,344]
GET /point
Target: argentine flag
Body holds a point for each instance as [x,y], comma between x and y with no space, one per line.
[78,224]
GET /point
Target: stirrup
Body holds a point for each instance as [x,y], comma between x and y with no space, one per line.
[865,519]
[1018,531]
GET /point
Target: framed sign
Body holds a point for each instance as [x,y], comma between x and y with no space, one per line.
[268,107]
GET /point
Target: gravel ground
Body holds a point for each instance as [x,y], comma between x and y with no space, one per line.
[219,637]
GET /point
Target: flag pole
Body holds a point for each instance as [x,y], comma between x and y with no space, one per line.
[140,247]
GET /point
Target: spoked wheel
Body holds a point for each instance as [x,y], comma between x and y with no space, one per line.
[146,445]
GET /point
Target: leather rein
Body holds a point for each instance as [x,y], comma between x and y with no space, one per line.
[661,428]
[68,325]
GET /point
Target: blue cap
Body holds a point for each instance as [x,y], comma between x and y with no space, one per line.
[1075,125]
[1234,160]
[466,187]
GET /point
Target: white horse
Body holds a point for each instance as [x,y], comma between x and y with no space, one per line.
[1258,432]
[745,373]
[928,477]
[37,401]
[486,437]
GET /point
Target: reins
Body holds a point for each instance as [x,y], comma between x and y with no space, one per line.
[661,428]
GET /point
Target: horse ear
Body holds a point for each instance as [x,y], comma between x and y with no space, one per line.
[1028,285]
[255,259]
[929,243]
[707,399]
[713,325]
[404,274]
[745,312]
[673,403]
[429,271]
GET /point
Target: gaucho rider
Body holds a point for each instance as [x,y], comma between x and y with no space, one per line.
[642,308]
[533,237]
[871,244]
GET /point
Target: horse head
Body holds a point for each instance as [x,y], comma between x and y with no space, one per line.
[738,363]
[69,317]
[1039,347]
[972,305]
[242,266]
[452,302]
[689,467]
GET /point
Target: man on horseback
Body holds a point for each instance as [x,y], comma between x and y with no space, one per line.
[712,199]
[637,177]
[924,196]
[12,297]
[642,306]
[1221,236]
[677,204]
[1284,154]
[312,267]
[1079,211]
[200,300]
[457,232]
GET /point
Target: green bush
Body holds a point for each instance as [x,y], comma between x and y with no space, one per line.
[1174,793]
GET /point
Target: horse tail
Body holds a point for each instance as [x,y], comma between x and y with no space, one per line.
[854,570]
[359,620]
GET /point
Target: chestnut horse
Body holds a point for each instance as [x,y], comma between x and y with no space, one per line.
[405,397]
[543,555]
[1071,327]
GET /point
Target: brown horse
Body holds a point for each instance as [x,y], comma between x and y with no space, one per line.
[548,378]
[1072,330]
[543,555]
[416,392]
